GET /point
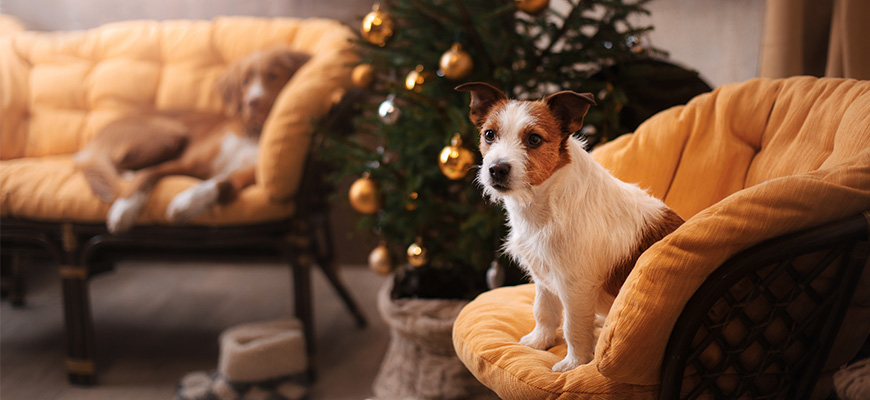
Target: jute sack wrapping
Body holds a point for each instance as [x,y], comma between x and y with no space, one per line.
[420,362]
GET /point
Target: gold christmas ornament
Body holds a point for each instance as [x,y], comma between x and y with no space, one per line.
[377,26]
[417,254]
[364,196]
[533,7]
[379,260]
[362,75]
[456,64]
[455,160]
[411,204]
[416,79]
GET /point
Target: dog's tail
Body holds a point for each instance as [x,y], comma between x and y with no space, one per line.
[100,173]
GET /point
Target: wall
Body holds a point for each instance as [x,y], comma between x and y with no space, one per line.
[83,14]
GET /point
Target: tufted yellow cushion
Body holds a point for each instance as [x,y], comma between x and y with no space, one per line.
[57,90]
[744,163]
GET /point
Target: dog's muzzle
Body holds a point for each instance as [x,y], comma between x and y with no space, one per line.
[499,175]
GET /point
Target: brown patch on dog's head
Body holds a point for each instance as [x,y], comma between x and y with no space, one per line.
[483,97]
[552,154]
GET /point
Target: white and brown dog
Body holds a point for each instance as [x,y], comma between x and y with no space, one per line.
[575,228]
[221,150]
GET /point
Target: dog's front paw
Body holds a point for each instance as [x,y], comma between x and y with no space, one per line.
[192,202]
[567,364]
[572,361]
[538,340]
[124,211]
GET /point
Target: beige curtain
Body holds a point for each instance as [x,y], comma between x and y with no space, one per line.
[816,37]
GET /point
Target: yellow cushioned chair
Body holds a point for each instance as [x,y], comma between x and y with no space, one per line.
[748,163]
[57,90]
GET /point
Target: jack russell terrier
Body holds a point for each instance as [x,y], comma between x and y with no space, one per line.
[221,150]
[574,228]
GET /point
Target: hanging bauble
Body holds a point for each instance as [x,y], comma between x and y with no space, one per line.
[533,7]
[417,254]
[455,160]
[377,26]
[638,44]
[362,75]
[495,275]
[416,79]
[456,63]
[364,195]
[388,112]
[411,204]
[379,260]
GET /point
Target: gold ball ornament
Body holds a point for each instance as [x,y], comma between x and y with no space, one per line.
[377,26]
[533,7]
[455,160]
[416,79]
[362,75]
[364,195]
[456,64]
[411,203]
[417,254]
[379,260]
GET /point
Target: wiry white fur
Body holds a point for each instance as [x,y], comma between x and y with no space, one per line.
[567,233]
[511,121]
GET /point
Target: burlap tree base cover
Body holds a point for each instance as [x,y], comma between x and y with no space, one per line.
[420,362]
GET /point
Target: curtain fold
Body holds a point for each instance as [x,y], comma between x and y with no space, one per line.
[816,37]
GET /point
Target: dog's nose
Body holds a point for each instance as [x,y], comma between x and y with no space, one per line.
[499,171]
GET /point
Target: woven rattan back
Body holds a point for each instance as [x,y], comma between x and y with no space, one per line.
[761,326]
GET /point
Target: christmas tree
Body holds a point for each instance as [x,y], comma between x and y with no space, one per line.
[413,149]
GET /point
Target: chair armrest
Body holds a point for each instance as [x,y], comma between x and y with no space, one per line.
[315,88]
[670,271]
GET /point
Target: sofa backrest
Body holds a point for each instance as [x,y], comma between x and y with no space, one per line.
[57,90]
[741,135]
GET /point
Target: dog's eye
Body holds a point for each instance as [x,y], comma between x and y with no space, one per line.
[489,135]
[272,76]
[534,140]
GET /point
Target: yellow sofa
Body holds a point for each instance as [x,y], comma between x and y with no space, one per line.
[58,89]
[743,164]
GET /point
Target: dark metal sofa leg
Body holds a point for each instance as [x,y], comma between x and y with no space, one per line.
[304,310]
[79,326]
[349,302]
[14,267]
[324,250]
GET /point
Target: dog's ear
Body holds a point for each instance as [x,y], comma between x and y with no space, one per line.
[229,87]
[483,97]
[289,59]
[569,108]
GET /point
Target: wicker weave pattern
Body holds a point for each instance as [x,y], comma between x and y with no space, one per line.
[762,325]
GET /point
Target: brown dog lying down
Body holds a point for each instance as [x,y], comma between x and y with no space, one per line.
[219,149]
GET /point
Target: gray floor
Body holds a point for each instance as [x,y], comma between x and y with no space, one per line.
[156,322]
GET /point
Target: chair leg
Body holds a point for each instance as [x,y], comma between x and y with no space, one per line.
[304,310]
[324,252]
[79,326]
[13,285]
[349,302]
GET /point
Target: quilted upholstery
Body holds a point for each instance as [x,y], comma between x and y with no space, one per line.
[742,164]
[57,90]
